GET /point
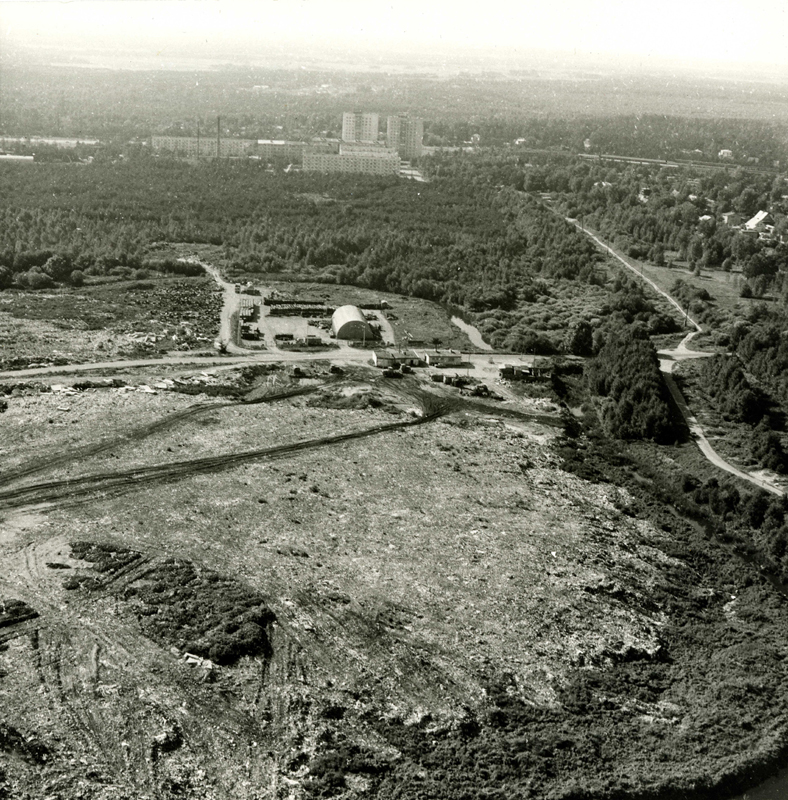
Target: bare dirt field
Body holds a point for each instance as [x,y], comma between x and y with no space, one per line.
[287,625]
[374,555]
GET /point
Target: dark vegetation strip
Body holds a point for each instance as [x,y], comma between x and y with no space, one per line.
[177,602]
[75,488]
[138,434]
[633,400]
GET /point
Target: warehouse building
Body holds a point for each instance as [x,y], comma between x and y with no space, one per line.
[348,322]
[441,358]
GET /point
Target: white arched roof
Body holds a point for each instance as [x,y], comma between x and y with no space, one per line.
[348,322]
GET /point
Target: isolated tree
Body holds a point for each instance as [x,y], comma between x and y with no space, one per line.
[579,338]
[58,268]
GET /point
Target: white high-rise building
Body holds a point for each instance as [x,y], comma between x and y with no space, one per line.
[405,134]
[360,126]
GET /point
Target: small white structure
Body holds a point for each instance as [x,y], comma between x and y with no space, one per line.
[760,222]
[409,357]
[442,358]
[384,358]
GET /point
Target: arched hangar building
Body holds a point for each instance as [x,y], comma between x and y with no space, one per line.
[348,323]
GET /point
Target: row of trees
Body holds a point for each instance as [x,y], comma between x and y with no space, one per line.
[632,397]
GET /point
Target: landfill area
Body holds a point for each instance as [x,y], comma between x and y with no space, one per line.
[216,586]
[123,319]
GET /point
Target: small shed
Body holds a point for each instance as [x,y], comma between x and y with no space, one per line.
[409,357]
[348,322]
[384,358]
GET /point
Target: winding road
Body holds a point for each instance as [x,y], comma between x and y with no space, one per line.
[237,355]
[669,358]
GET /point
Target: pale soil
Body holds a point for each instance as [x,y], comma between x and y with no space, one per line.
[402,570]
[41,339]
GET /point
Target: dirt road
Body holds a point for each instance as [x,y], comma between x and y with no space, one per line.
[630,266]
[228,319]
[668,359]
[697,433]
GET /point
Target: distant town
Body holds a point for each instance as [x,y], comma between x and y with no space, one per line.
[362,148]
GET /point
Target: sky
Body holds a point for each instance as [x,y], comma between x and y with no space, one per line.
[712,30]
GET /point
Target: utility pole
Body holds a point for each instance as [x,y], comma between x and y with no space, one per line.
[218,138]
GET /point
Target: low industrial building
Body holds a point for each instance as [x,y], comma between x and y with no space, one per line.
[384,358]
[388,358]
[540,370]
[441,358]
[409,357]
[348,322]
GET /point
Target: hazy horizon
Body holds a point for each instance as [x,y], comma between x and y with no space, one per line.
[634,35]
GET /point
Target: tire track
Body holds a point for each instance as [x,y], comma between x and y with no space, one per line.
[140,433]
[74,489]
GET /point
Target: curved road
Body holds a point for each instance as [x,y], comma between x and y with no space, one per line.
[668,359]
[240,356]
[228,327]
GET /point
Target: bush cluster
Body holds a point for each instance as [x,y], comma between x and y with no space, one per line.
[177,603]
[633,399]
[201,612]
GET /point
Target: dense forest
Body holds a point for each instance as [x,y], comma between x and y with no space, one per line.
[459,239]
[631,394]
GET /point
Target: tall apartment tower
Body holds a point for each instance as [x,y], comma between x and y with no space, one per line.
[405,134]
[360,126]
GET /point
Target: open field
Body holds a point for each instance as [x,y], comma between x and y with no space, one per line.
[724,287]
